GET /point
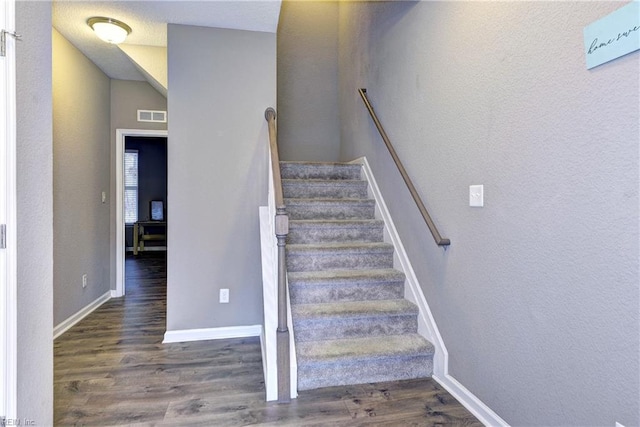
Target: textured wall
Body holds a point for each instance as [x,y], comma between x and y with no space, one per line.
[308,121]
[537,298]
[80,175]
[217,172]
[35,212]
[127,97]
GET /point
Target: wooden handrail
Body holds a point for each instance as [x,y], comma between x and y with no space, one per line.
[270,116]
[282,229]
[440,241]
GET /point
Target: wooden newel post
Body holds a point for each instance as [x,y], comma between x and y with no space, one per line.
[282,229]
[282,335]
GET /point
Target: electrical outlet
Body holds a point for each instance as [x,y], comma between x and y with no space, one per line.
[224,296]
[84,281]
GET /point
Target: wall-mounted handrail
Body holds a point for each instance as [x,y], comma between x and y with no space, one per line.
[281,230]
[440,241]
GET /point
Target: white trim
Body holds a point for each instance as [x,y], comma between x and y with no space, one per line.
[268,251]
[427,326]
[8,298]
[221,333]
[265,369]
[113,293]
[476,406]
[65,325]
[120,249]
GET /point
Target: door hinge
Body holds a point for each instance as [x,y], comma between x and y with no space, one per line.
[3,40]
[3,236]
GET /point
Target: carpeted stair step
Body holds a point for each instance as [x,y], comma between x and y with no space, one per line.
[322,208]
[350,320]
[324,188]
[363,360]
[353,319]
[312,170]
[308,287]
[321,231]
[338,256]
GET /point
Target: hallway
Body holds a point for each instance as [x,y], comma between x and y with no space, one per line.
[112,369]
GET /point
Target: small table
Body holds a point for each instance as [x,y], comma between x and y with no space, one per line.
[139,236]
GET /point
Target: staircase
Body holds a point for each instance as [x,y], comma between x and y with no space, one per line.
[351,322]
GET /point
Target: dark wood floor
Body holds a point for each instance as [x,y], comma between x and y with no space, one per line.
[112,369]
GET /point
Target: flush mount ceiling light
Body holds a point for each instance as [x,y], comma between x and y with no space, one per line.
[109,29]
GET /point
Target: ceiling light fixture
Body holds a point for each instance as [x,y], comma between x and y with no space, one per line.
[109,29]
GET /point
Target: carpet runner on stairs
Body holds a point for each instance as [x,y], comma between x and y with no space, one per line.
[351,322]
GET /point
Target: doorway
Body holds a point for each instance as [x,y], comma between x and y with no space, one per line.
[122,135]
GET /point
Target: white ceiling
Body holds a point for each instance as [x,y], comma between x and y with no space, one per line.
[148,20]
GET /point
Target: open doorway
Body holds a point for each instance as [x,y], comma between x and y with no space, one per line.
[150,148]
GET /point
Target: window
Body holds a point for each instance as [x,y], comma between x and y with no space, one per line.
[130,186]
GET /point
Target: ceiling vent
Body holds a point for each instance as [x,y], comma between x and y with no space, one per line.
[152,116]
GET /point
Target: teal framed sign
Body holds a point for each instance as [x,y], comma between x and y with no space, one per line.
[613,36]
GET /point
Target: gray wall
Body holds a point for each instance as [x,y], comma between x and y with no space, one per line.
[127,97]
[308,121]
[35,212]
[217,169]
[537,298]
[80,175]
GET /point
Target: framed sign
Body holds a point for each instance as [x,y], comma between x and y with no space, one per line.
[613,36]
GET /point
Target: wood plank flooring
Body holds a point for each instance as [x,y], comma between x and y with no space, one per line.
[112,369]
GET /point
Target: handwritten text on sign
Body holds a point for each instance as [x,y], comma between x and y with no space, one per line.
[613,36]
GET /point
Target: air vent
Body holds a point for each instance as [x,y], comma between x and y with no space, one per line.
[152,116]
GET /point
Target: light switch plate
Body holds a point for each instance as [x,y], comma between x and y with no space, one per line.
[104,197]
[476,196]
[224,296]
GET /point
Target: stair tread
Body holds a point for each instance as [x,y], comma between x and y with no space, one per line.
[319,200]
[320,169]
[311,287]
[323,181]
[304,162]
[365,247]
[335,275]
[337,222]
[354,349]
[354,309]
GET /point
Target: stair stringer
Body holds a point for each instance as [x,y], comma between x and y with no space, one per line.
[427,326]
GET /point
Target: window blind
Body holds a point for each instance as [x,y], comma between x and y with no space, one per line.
[130,186]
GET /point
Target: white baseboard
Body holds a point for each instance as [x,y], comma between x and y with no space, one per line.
[477,407]
[186,335]
[65,325]
[114,294]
